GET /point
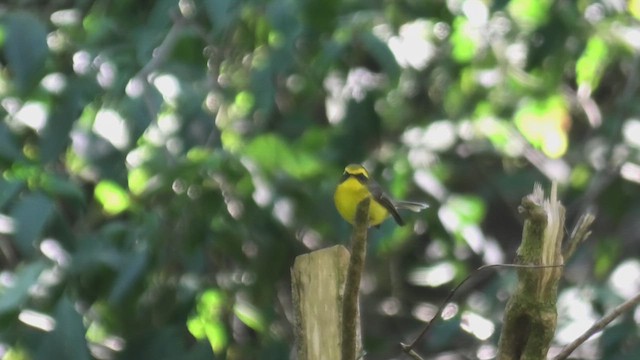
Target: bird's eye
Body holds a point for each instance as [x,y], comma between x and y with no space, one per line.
[362,178]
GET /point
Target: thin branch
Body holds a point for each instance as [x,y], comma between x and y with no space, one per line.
[599,326]
[350,321]
[408,349]
[164,50]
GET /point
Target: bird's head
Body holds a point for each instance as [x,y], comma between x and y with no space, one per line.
[356,171]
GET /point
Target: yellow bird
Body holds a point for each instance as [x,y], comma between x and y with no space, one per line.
[355,185]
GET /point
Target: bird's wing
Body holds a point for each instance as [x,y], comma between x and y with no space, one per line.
[381,197]
[410,205]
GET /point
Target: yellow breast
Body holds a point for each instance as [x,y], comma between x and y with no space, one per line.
[349,194]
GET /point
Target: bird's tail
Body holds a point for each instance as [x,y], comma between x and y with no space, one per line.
[411,205]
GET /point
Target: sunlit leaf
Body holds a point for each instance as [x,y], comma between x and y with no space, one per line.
[273,153]
[545,123]
[530,13]
[495,130]
[250,316]
[113,198]
[580,176]
[634,8]
[97,25]
[138,179]
[469,209]
[591,65]
[244,102]
[231,140]
[464,45]
[207,322]
[17,353]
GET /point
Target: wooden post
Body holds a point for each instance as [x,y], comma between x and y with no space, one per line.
[317,286]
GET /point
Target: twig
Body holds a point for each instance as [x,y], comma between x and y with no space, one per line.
[350,321]
[579,234]
[164,50]
[598,326]
[408,349]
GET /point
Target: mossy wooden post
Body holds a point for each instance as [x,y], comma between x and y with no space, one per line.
[530,317]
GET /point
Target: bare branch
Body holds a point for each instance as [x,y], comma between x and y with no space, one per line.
[599,326]
[350,321]
[408,349]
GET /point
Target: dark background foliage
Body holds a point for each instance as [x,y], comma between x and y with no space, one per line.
[163,162]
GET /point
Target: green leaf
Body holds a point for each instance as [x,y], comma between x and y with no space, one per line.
[138,179]
[469,209]
[530,13]
[9,149]
[273,153]
[544,123]
[207,323]
[383,55]
[221,13]
[607,252]
[113,198]
[140,111]
[59,186]
[96,252]
[617,336]
[463,45]
[250,316]
[65,110]
[67,341]
[130,273]
[31,213]
[591,65]
[634,8]
[264,90]
[319,15]
[8,190]
[25,48]
[13,297]
[160,343]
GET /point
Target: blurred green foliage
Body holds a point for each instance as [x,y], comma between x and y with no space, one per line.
[162,163]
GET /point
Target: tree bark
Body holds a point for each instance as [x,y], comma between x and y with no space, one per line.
[530,317]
